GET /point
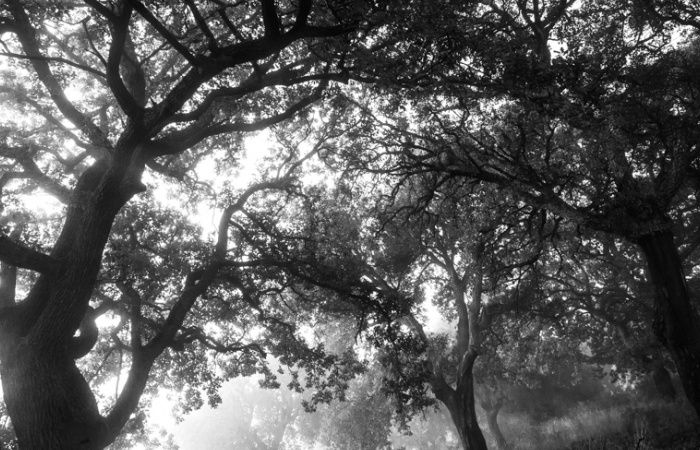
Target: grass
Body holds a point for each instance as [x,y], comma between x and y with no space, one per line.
[637,425]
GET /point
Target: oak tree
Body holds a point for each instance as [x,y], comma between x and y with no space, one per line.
[586,109]
[103,100]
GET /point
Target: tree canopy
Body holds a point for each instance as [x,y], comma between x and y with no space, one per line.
[526,166]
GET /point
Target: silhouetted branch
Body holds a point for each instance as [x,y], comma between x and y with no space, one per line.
[20,256]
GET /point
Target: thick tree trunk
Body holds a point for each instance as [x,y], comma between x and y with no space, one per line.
[676,322]
[49,401]
[460,403]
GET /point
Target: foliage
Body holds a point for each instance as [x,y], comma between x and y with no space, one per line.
[519,188]
[105,101]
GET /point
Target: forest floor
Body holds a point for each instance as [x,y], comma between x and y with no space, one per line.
[652,425]
[669,440]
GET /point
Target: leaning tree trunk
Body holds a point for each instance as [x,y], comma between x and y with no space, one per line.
[460,403]
[676,322]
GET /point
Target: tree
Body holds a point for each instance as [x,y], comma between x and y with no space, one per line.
[476,243]
[527,351]
[162,87]
[587,109]
[606,304]
[464,241]
[361,422]
[248,418]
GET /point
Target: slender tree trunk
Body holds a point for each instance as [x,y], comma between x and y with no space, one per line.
[460,403]
[676,322]
[492,421]
[492,405]
[492,408]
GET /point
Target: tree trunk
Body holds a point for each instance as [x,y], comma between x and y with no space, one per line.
[49,401]
[492,404]
[460,403]
[676,322]
[492,421]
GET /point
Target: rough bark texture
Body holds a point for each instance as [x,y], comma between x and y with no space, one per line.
[49,401]
[676,322]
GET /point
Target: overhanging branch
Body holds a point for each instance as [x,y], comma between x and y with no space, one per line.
[181,141]
[57,60]
[20,256]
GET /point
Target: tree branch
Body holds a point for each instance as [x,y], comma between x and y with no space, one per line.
[120,33]
[101,9]
[8,26]
[8,285]
[20,256]
[202,24]
[56,59]
[167,35]
[27,37]
[196,334]
[183,140]
[282,77]
[270,19]
[302,14]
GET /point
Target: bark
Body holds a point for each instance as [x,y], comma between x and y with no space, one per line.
[676,322]
[50,403]
[460,403]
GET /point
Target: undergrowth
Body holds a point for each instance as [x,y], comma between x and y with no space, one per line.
[629,425]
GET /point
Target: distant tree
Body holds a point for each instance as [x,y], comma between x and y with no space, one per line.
[468,245]
[432,430]
[363,421]
[479,257]
[248,418]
